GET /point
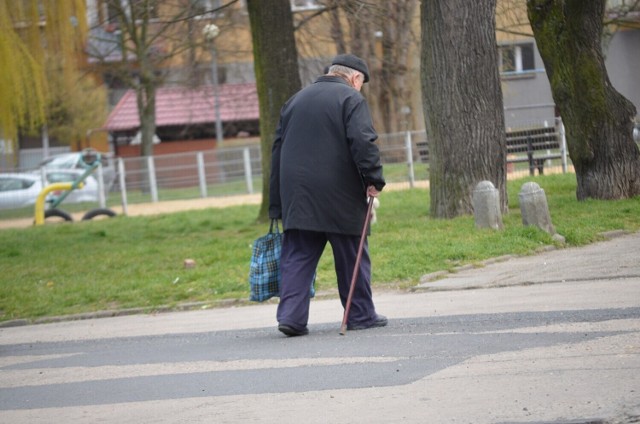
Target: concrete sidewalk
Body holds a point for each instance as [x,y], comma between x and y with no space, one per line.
[614,258]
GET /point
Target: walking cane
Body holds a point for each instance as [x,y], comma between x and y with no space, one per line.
[343,328]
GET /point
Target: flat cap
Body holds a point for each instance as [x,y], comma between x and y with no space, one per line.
[353,62]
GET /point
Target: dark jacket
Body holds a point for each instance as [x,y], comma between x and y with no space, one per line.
[323,158]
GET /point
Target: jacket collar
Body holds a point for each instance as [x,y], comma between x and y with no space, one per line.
[331,78]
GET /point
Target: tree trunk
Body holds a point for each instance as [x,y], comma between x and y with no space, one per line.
[277,77]
[146,102]
[598,119]
[462,101]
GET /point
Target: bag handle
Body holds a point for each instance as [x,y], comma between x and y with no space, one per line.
[277,226]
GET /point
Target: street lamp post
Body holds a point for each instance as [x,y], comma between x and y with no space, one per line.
[210,32]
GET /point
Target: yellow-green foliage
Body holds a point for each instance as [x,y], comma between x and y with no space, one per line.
[21,79]
[29,31]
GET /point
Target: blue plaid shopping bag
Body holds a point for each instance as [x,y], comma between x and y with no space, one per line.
[264,271]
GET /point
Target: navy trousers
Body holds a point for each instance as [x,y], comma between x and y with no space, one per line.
[301,252]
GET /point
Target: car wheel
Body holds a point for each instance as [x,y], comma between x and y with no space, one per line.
[57,213]
[98,212]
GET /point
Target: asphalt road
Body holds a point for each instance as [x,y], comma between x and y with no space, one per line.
[552,338]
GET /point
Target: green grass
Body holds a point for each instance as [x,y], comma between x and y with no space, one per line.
[399,172]
[128,262]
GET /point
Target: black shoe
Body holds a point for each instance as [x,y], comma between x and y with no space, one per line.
[292,332]
[380,321]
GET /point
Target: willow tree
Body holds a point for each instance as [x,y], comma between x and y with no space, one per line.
[30,31]
[276,67]
[598,119]
[462,101]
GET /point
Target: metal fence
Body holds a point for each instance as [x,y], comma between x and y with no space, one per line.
[180,176]
[234,171]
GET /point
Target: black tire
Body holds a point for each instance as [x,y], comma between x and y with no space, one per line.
[98,212]
[57,213]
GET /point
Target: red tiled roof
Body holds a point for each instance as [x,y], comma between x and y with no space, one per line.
[182,106]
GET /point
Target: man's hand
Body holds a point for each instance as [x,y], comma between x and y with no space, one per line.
[372,192]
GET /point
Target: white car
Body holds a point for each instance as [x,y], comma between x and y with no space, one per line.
[74,161]
[18,190]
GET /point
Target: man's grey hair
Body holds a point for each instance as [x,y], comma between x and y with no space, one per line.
[343,70]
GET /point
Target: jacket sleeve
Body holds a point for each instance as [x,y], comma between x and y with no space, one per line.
[362,136]
[275,205]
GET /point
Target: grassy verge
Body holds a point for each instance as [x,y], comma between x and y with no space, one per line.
[138,261]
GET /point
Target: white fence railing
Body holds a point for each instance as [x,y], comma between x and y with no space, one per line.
[233,171]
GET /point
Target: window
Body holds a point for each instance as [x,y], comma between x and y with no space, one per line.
[204,8]
[14,183]
[300,5]
[144,8]
[111,12]
[516,58]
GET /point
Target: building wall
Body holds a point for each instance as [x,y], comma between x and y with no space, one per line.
[169,148]
[623,65]
[527,97]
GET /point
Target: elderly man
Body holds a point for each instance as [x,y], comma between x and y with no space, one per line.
[325,164]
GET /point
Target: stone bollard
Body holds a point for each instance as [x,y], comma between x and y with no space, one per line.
[533,205]
[486,206]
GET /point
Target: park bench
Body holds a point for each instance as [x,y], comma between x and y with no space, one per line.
[534,146]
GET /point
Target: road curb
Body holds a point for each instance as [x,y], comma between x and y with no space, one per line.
[110,313]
